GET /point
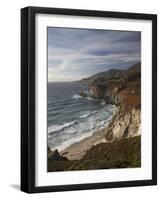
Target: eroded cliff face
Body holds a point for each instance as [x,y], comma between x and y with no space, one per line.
[124,92]
[98,91]
[124,125]
[121,148]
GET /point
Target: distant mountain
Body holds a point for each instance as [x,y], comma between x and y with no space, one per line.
[113,74]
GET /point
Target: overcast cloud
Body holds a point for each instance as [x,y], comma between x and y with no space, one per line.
[74,54]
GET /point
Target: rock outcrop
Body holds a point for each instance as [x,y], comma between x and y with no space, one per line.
[124,125]
[125,93]
[98,90]
[55,155]
[83,94]
[122,147]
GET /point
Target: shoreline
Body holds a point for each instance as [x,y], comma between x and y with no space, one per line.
[118,145]
[77,150]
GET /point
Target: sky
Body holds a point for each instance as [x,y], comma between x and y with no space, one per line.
[74,54]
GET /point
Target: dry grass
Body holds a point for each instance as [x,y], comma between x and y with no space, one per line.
[125,153]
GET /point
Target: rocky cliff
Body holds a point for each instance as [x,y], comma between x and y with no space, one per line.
[122,148]
[125,93]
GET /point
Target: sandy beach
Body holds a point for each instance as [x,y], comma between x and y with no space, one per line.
[77,150]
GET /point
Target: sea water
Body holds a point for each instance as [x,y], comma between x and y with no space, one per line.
[71,117]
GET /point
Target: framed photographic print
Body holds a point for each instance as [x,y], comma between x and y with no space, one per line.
[88,99]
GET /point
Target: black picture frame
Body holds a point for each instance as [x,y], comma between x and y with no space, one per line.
[28,98]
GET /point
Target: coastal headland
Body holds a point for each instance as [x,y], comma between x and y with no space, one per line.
[118,145]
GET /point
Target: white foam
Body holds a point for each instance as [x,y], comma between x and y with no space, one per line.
[89,98]
[103,103]
[71,141]
[55,128]
[76,96]
[74,132]
[88,114]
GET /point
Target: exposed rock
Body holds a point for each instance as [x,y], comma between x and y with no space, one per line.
[83,94]
[125,93]
[49,150]
[98,91]
[120,149]
[124,125]
[55,155]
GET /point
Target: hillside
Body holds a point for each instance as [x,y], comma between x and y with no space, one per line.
[112,74]
[119,154]
[122,146]
[126,94]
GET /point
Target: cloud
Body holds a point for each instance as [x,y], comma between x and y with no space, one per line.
[77,53]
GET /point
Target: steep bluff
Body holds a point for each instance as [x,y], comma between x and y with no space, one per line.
[123,134]
[124,125]
[124,92]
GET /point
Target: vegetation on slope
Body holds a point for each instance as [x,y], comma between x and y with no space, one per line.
[123,149]
[118,154]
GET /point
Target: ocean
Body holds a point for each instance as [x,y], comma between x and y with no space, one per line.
[71,117]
